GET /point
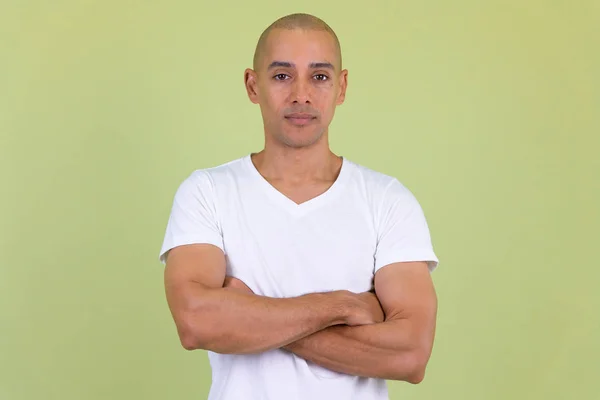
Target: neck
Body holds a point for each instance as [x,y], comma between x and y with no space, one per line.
[297,165]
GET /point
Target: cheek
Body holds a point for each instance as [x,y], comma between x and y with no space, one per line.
[273,101]
[326,95]
[326,104]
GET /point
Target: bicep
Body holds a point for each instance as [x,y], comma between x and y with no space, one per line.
[189,270]
[405,291]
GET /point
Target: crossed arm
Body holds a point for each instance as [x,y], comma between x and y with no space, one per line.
[341,331]
[399,347]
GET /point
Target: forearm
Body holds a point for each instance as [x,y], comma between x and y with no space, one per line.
[229,321]
[386,350]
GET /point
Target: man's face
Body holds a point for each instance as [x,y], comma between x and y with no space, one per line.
[298,84]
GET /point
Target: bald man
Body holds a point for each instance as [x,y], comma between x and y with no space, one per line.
[303,274]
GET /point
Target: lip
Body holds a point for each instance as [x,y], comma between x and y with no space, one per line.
[300,119]
[299,115]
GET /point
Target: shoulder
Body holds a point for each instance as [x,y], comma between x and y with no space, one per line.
[207,180]
[377,185]
[217,174]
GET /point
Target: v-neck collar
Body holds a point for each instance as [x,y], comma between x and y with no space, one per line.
[288,204]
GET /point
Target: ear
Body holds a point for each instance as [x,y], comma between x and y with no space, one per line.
[251,82]
[343,82]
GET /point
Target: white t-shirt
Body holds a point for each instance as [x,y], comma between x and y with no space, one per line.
[338,240]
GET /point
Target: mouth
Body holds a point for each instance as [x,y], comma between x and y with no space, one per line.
[300,119]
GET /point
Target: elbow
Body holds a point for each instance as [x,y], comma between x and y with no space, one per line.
[410,367]
[196,319]
[189,341]
[200,337]
[416,376]
[191,336]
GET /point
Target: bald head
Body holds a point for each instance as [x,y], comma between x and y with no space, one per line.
[290,22]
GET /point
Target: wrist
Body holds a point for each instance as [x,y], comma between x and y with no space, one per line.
[338,307]
[292,347]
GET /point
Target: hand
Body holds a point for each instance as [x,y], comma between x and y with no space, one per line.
[236,284]
[364,309]
[374,306]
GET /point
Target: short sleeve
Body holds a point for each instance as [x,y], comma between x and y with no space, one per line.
[193,217]
[403,233]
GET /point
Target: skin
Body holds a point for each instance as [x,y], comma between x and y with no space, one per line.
[299,72]
[212,317]
[397,348]
[386,334]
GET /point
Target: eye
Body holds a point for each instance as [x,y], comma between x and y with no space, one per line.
[280,77]
[321,77]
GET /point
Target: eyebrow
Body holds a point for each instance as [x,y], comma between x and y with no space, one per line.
[314,65]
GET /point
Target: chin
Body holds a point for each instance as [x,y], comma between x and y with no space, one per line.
[299,140]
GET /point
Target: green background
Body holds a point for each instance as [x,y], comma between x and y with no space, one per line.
[487,110]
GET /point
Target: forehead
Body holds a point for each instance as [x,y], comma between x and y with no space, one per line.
[300,47]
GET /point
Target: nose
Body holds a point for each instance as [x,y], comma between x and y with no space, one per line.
[300,92]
